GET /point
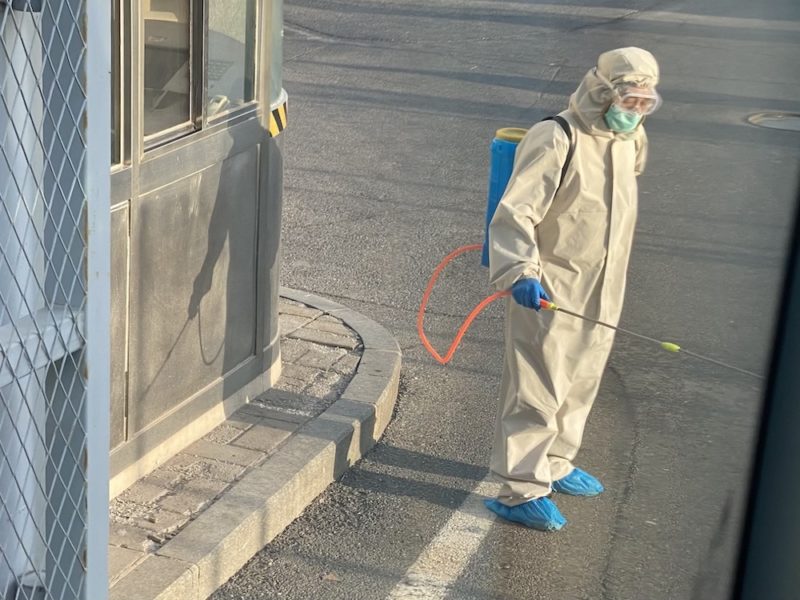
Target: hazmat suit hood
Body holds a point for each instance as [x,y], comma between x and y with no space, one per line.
[591,100]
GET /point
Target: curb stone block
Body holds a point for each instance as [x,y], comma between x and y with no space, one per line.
[266,436]
[253,414]
[143,492]
[332,326]
[300,372]
[223,434]
[161,522]
[324,338]
[186,466]
[290,323]
[292,350]
[222,453]
[298,310]
[120,559]
[379,362]
[158,578]
[347,364]
[321,359]
[125,535]
[193,496]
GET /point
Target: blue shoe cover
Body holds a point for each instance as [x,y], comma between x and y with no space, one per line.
[539,513]
[578,483]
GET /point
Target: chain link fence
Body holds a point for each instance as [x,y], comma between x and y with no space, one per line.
[43,300]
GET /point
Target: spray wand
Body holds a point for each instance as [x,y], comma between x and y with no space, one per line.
[668,346]
[546,305]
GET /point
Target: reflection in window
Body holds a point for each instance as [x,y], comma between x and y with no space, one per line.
[276,63]
[231,35]
[115,84]
[166,64]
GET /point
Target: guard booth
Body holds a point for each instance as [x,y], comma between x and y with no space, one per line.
[196,183]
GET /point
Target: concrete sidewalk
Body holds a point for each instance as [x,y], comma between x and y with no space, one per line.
[188,526]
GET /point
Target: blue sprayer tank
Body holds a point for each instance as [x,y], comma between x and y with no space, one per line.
[503,149]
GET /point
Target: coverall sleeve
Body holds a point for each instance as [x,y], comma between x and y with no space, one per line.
[513,252]
[641,153]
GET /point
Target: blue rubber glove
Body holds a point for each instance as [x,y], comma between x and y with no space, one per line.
[528,292]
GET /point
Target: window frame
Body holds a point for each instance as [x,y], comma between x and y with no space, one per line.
[127,79]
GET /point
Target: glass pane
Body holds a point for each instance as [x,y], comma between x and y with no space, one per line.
[166,64]
[276,64]
[231,54]
[115,83]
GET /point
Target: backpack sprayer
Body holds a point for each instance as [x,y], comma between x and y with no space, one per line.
[503,149]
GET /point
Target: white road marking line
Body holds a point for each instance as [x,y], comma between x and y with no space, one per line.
[443,560]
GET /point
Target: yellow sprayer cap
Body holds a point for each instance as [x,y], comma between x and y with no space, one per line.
[511,134]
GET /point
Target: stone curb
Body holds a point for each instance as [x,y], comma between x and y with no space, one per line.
[213,547]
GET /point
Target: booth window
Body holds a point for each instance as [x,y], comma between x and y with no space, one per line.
[198,63]
[167,70]
[116,70]
[276,63]
[231,52]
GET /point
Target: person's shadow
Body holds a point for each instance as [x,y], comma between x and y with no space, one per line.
[234,293]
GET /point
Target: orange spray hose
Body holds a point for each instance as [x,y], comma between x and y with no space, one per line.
[443,360]
[545,304]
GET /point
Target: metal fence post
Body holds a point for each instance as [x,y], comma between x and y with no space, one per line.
[98,327]
[54,298]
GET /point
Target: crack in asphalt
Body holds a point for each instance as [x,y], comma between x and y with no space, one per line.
[323,36]
[627,491]
[602,23]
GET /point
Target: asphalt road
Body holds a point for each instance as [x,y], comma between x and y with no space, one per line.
[392,109]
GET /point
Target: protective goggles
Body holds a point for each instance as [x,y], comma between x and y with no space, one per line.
[644,101]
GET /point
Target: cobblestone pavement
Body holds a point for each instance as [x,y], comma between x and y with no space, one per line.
[319,355]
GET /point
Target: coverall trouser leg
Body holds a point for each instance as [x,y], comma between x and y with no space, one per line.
[576,406]
[552,369]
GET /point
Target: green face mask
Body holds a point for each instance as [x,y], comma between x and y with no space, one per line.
[620,120]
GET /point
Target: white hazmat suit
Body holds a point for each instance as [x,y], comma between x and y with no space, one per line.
[575,237]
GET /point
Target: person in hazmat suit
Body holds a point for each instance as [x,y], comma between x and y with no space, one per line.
[570,240]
